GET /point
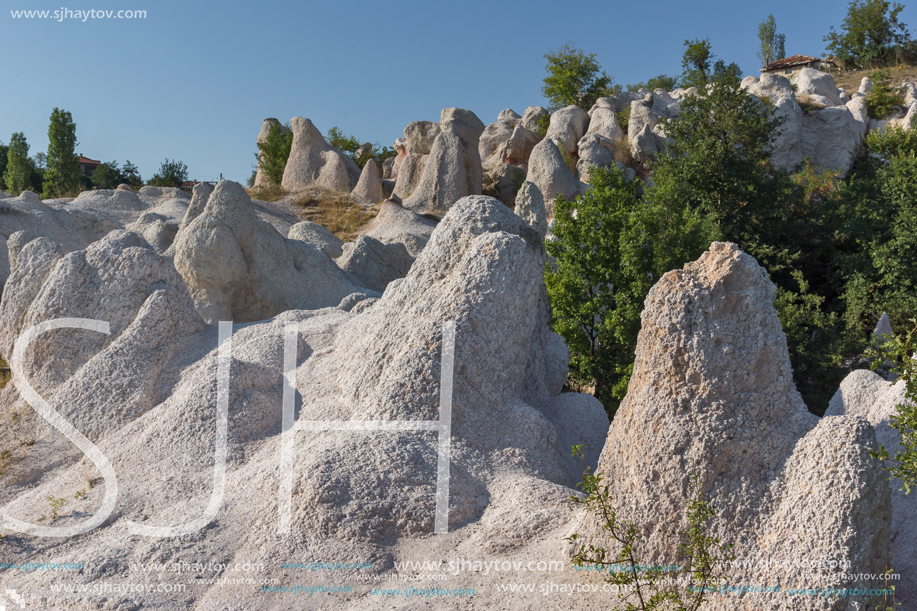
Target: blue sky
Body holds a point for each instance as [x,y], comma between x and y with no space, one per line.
[194,80]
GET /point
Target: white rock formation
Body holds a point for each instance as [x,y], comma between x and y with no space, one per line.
[530,208]
[453,168]
[832,138]
[531,117]
[551,175]
[319,236]
[568,125]
[776,90]
[313,161]
[867,395]
[510,117]
[266,125]
[373,263]
[712,394]
[240,268]
[818,86]
[395,223]
[369,187]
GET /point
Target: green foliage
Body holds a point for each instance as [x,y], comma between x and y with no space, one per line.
[62,177]
[56,504]
[544,122]
[900,351]
[662,81]
[130,175]
[273,153]
[4,150]
[575,78]
[870,34]
[882,100]
[772,45]
[107,175]
[359,153]
[610,247]
[18,174]
[700,69]
[700,554]
[171,174]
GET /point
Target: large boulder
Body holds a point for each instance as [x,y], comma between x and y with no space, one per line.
[712,397]
[532,116]
[319,236]
[593,153]
[520,145]
[493,144]
[818,86]
[867,395]
[369,187]
[604,124]
[240,268]
[568,125]
[313,161]
[420,135]
[266,125]
[510,117]
[453,168]
[777,92]
[548,171]
[832,138]
[373,263]
[530,208]
[395,223]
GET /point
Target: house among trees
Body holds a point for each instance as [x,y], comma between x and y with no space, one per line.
[791,64]
[87,165]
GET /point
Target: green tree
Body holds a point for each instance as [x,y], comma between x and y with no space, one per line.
[171,174]
[130,174]
[662,81]
[575,78]
[273,153]
[696,63]
[882,100]
[772,45]
[610,247]
[870,34]
[18,174]
[359,153]
[107,175]
[62,177]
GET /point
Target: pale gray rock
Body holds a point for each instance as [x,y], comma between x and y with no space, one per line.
[530,208]
[502,181]
[551,175]
[865,394]
[604,124]
[266,125]
[319,236]
[238,267]
[313,161]
[420,135]
[910,93]
[860,113]
[510,117]
[866,86]
[832,138]
[520,145]
[369,187]
[531,117]
[494,143]
[395,223]
[712,375]
[124,187]
[387,166]
[409,174]
[568,125]
[453,168]
[883,327]
[401,150]
[818,85]
[643,144]
[777,91]
[593,153]
[373,263]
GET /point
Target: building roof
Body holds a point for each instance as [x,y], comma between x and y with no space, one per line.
[88,161]
[790,62]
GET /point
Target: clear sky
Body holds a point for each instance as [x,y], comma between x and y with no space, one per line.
[193,80]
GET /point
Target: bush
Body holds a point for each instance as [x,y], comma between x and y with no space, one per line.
[273,153]
[172,173]
[62,178]
[882,100]
[18,174]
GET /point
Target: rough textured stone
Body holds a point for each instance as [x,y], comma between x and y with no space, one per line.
[820,86]
[369,187]
[395,223]
[712,394]
[867,395]
[593,153]
[313,161]
[373,263]
[604,124]
[420,135]
[520,145]
[568,125]
[786,150]
[510,117]
[494,143]
[832,138]
[551,175]
[502,181]
[530,207]
[240,268]
[531,117]
[319,236]
[453,168]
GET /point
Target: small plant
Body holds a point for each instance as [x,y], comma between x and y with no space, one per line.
[56,503]
[569,161]
[882,100]
[699,553]
[79,494]
[623,118]
[542,125]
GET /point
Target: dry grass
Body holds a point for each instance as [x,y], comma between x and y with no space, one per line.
[807,104]
[335,211]
[850,81]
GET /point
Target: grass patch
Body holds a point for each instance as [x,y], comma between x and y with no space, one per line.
[266,194]
[899,75]
[335,211]
[807,104]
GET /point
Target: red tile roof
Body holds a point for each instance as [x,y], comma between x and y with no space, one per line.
[790,62]
[88,161]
